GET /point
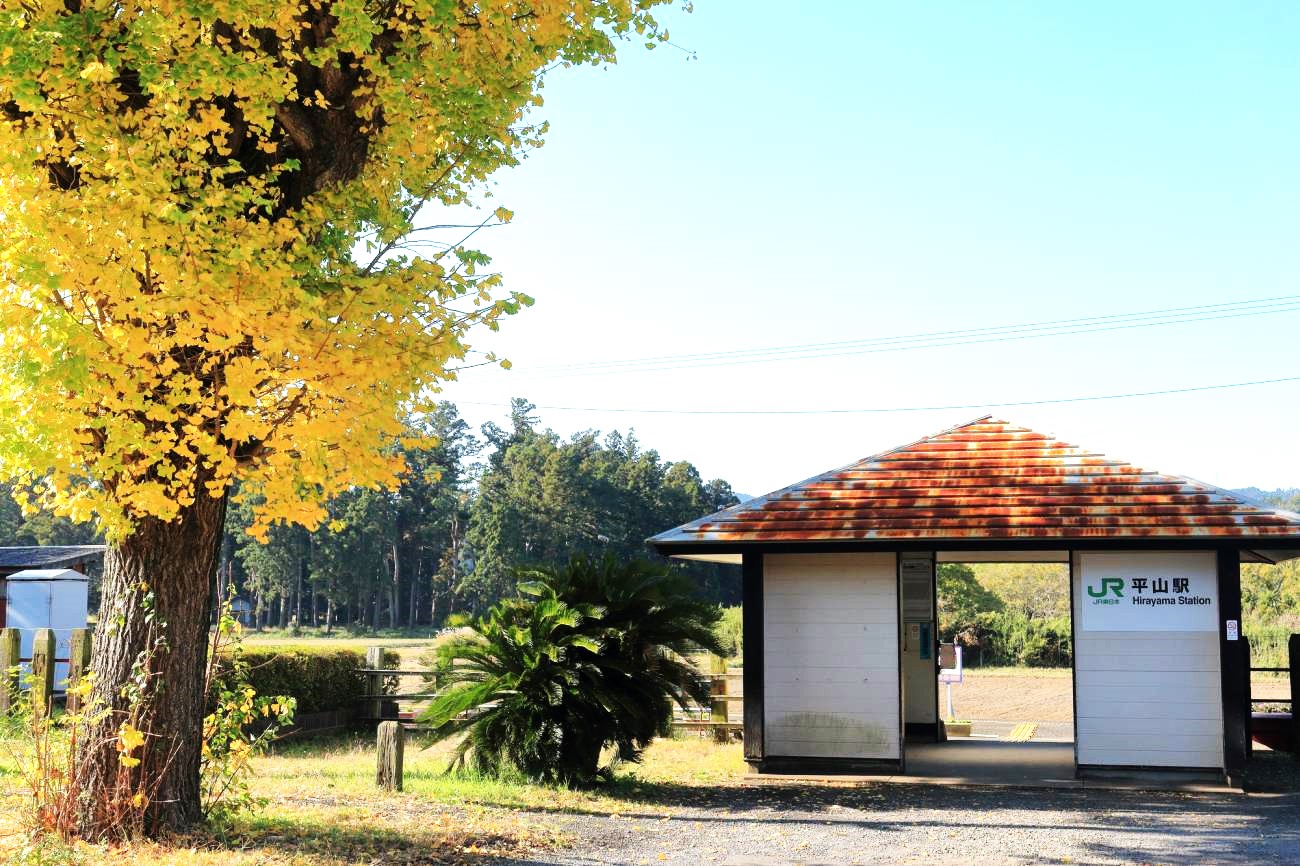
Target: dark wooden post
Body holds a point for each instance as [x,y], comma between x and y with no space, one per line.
[375,682]
[751,622]
[10,652]
[390,742]
[78,664]
[1233,671]
[1293,651]
[42,671]
[1247,705]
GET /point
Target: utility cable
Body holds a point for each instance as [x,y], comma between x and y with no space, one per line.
[939,339]
[1054,324]
[950,407]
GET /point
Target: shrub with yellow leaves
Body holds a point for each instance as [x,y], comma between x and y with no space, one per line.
[240,725]
[47,750]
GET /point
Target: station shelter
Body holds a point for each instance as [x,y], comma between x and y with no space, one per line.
[840,598]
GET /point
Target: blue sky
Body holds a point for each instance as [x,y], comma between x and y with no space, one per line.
[848,171]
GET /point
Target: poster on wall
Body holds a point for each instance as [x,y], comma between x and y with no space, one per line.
[918,587]
[1148,592]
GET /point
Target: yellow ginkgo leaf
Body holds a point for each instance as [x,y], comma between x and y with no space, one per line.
[129,738]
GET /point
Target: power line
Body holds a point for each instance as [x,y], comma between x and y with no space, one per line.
[1282,300]
[998,339]
[937,339]
[1167,391]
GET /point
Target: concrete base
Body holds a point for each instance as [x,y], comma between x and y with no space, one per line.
[971,762]
[1018,765]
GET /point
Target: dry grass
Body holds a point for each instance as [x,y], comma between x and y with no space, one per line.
[323,810]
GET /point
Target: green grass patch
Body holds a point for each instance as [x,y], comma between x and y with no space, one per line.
[346,766]
[323,809]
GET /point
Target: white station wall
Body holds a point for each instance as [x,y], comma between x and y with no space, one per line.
[830,666]
[1147,685]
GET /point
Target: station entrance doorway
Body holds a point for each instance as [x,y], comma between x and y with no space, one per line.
[987,679]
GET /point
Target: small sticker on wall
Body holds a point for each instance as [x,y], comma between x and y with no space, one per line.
[1233,631]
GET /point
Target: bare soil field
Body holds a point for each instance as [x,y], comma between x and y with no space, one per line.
[1046,694]
[1026,695]
[1270,688]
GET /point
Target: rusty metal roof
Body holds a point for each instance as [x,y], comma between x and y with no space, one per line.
[986,480]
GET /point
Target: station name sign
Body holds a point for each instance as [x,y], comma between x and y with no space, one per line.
[1133,599]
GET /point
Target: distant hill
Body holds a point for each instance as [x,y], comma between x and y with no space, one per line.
[1287,497]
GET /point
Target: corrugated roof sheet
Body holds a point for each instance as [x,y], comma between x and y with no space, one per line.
[989,479]
[49,556]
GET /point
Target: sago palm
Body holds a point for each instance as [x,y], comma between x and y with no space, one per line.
[589,656]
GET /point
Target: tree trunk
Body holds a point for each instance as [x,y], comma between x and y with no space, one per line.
[413,610]
[302,568]
[393,593]
[156,588]
[219,597]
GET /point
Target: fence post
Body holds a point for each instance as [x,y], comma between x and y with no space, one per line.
[10,652]
[390,743]
[42,671]
[718,707]
[375,682]
[78,664]
[1293,651]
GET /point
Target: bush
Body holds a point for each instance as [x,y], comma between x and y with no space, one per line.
[1011,638]
[319,678]
[730,632]
[1268,645]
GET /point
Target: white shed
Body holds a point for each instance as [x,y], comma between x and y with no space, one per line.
[53,598]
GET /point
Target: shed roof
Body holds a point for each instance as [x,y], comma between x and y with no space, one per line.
[989,480]
[46,574]
[53,556]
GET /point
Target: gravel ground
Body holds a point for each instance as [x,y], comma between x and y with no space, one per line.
[764,826]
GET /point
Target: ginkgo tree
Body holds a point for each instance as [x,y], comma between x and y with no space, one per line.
[207,215]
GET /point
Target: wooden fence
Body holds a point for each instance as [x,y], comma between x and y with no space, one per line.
[40,678]
[1276,729]
[723,717]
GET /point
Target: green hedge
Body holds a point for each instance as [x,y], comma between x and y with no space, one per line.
[1268,644]
[1012,639]
[320,678]
[730,630]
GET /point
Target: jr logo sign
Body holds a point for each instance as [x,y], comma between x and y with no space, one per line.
[1107,586]
[1143,591]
